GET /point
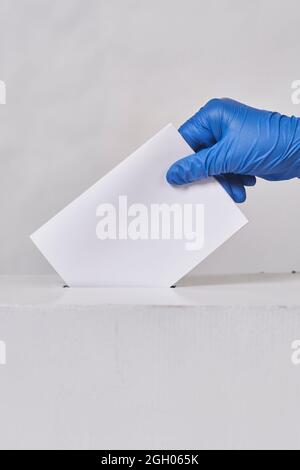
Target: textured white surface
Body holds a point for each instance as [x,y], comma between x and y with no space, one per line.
[172,372]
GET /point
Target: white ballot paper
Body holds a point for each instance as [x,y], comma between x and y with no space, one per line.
[132,229]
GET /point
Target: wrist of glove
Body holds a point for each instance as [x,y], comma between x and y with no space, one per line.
[236,143]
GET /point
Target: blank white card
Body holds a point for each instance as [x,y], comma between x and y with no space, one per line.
[132,229]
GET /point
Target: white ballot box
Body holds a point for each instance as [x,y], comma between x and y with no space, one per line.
[211,364]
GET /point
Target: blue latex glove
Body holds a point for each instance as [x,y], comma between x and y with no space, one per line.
[236,143]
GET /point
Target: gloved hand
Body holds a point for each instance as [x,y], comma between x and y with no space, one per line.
[236,143]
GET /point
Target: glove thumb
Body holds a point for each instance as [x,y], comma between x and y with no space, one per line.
[206,163]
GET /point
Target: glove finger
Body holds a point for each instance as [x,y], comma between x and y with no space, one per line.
[248,180]
[194,168]
[186,171]
[234,187]
[238,189]
[223,180]
[203,130]
[206,163]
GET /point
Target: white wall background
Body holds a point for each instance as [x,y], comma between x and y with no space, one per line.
[88,81]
